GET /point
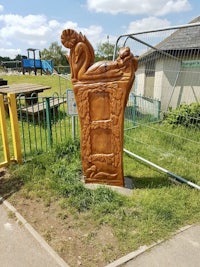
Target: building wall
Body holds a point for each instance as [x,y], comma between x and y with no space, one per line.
[188,87]
[140,80]
[172,83]
[149,86]
[167,72]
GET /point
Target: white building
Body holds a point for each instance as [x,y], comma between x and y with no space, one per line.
[171,71]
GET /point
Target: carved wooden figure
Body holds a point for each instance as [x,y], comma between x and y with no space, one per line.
[101,91]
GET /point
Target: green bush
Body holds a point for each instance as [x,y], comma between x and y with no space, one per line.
[185,115]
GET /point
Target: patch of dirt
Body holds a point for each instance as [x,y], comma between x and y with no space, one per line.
[72,235]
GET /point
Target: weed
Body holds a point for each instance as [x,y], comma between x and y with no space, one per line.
[11,215]
[185,115]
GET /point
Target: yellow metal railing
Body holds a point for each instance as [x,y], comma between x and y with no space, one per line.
[16,143]
[4,134]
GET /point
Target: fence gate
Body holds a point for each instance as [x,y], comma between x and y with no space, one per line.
[10,144]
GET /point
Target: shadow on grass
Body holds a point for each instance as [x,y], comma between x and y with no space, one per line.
[151,182]
[8,184]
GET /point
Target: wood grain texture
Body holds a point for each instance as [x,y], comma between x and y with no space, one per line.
[101,91]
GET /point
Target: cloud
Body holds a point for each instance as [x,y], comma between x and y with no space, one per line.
[1,8]
[147,24]
[139,26]
[23,29]
[94,33]
[17,33]
[138,7]
[21,32]
[12,53]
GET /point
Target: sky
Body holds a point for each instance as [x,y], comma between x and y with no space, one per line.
[36,24]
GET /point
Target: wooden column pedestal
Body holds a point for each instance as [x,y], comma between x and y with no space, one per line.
[101,91]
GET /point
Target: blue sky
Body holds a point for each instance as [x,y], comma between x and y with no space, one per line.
[36,24]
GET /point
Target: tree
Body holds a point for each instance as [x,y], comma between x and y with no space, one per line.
[55,53]
[104,51]
[18,57]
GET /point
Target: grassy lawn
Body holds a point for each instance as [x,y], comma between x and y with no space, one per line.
[97,226]
[57,84]
[175,149]
[94,227]
[34,132]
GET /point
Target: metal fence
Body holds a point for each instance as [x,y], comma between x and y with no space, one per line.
[162,117]
[168,64]
[168,74]
[141,109]
[10,149]
[44,123]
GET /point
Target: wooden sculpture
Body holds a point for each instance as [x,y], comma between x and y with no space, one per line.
[101,91]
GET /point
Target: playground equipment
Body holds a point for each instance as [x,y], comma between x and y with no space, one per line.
[33,64]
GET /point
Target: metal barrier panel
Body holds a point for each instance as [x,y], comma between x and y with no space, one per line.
[168,76]
[168,64]
[141,109]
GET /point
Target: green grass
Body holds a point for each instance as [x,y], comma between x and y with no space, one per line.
[175,149]
[35,136]
[57,85]
[156,208]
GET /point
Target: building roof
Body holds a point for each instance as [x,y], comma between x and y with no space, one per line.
[183,39]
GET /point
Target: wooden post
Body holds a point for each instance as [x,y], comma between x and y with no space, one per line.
[101,91]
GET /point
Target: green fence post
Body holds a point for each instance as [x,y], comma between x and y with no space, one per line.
[73,128]
[48,120]
[134,109]
[159,108]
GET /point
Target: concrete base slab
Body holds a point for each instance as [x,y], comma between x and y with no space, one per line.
[126,190]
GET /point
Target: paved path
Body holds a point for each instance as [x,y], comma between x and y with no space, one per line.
[182,250]
[21,245]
